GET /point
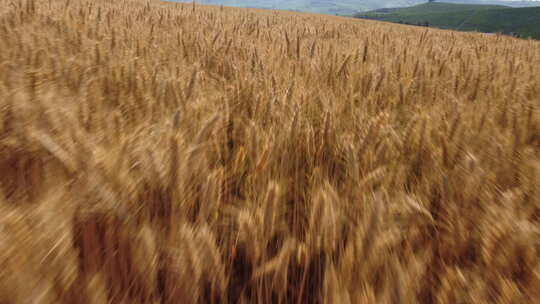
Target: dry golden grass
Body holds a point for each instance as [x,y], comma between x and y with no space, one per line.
[162,153]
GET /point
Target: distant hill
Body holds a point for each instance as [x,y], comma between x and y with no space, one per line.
[431,8]
[498,2]
[341,7]
[483,18]
[334,7]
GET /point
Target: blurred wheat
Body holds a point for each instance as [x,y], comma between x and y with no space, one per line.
[174,153]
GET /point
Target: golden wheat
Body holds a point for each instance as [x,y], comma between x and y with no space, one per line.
[154,152]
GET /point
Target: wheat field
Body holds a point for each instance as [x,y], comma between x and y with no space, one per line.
[153,152]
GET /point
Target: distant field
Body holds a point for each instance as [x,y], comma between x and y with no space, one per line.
[340,7]
[482,18]
[162,153]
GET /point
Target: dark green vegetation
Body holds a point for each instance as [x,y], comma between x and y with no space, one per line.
[433,8]
[524,22]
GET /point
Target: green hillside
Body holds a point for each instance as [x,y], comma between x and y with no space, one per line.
[433,8]
[482,18]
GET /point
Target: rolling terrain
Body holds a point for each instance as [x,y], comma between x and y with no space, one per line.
[483,18]
[339,7]
[434,8]
[156,152]
[343,7]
